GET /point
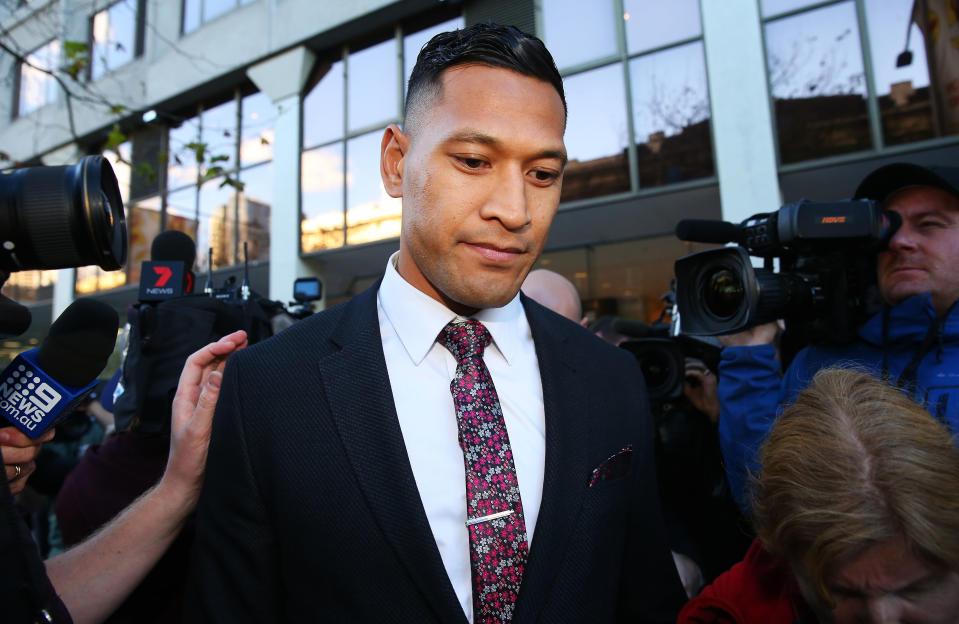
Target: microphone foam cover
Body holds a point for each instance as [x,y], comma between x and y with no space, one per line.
[79,343]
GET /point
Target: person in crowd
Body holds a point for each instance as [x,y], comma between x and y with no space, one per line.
[552,290]
[87,582]
[913,341]
[856,509]
[441,448]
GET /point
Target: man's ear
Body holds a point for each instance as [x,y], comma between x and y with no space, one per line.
[393,151]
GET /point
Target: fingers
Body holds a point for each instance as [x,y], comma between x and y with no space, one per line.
[18,448]
[210,392]
[11,436]
[19,470]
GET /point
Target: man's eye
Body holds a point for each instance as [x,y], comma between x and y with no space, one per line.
[471,163]
[544,176]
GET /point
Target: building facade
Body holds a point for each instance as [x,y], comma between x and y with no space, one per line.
[259,121]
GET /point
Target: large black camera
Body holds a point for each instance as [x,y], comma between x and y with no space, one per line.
[662,356]
[59,217]
[826,284]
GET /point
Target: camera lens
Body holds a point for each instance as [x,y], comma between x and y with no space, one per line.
[724,293]
[59,217]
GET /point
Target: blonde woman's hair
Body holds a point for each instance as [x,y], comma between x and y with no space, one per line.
[852,463]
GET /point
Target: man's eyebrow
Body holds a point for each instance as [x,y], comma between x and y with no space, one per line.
[475,136]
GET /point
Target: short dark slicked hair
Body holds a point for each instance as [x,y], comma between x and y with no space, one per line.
[482,44]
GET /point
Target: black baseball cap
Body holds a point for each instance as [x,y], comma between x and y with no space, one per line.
[888,179]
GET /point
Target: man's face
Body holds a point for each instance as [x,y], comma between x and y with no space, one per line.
[923,255]
[480,176]
[887,584]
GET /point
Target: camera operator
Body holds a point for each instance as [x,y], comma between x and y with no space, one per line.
[912,342]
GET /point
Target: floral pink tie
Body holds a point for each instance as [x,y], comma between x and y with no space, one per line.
[494,511]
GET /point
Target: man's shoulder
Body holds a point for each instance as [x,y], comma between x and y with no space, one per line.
[318,333]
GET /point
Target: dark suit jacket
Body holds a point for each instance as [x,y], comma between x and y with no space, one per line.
[310,512]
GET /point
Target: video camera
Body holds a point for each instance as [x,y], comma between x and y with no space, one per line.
[60,217]
[826,284]
[661,354]
[53,218]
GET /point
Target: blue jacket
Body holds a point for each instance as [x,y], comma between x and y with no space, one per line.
[918,351]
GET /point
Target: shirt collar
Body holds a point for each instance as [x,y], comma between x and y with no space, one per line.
[417,318]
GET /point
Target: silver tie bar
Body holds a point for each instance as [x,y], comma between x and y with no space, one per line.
[499,514]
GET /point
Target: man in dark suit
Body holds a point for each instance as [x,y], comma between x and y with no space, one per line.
[347,483]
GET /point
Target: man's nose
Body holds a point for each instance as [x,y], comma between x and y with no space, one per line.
[904,238]
[508,201]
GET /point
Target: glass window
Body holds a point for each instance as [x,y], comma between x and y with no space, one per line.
[30,286]
[253,212]
[218,132]
[342,199]
[322,191]
[323,108]
[775,7]
[217,224]
[37,86]
[371,80]
[197,12]
[817,82]
[652,23]
[577,32]
[191,14]
[143,225]
[903,78]
[182,167]
[215,8]
[257,129]
[625,279]
[671,115]
[596,134]
[371,213]
[113,37]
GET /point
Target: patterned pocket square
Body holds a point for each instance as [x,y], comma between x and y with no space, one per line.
[614,467]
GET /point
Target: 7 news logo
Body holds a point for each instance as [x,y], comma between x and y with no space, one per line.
[26,398]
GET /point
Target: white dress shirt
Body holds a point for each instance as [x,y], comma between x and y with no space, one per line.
[420,372]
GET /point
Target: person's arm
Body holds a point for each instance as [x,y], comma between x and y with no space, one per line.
[94,577]
[749,392]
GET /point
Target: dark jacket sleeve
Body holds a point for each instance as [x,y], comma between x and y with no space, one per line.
[749,391]
[233,575]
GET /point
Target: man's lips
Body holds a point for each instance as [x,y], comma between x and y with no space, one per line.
[496,253]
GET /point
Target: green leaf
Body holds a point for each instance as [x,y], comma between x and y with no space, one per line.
[73,49]
[212,172]
[198,149]
[117,109]
[115,138]
[147,171]
[239,186]
[219,158]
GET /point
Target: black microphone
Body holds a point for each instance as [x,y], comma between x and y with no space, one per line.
[43,384]
[168,272]
[706,231]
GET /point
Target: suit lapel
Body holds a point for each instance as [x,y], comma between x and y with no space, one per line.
[566,468]
[361,404]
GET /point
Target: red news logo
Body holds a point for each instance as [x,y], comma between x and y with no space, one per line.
[163,275]
[833,220]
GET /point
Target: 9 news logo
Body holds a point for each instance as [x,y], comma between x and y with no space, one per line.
[26,398]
